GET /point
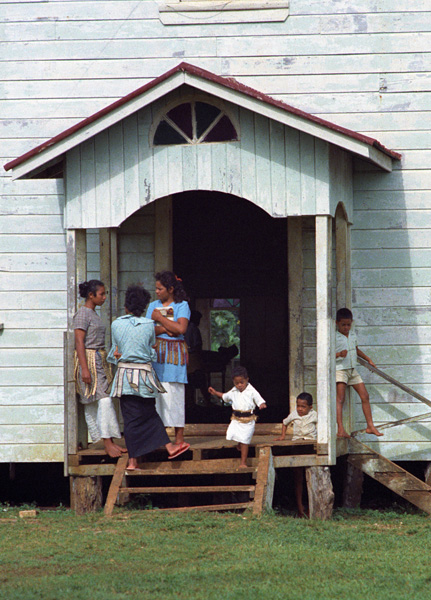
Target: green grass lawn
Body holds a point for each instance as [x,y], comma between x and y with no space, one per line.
[151,554]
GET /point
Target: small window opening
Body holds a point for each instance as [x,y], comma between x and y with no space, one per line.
[194,123]
[225,323]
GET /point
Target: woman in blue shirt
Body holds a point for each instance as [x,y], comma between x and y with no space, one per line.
[135,382]
[171,314]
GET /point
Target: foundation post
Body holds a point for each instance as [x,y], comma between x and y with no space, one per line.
[320,492]
[352,488]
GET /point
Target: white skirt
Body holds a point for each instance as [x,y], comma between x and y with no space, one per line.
[171,405]
[240,432]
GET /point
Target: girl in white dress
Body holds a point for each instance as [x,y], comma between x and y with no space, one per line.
[244,398]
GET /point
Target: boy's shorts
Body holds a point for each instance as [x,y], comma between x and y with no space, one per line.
[348,376]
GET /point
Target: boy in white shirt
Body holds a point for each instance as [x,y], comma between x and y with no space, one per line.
[304,420]
[244,398]
[346,360]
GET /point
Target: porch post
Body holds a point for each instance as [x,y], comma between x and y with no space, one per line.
[163,259]
[114,300]
[325,370]
[295,298]
[348,267]
[109,276]
[340,256]
[74,431]
[105,276]
[342,259]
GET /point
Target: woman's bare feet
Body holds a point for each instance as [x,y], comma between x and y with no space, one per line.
[133,464]
[120,448]
[112,449]
[176,449]
[372,429]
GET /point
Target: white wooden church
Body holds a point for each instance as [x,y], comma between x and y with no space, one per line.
[272,151]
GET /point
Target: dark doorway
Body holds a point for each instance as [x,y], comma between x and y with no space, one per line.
[226,247]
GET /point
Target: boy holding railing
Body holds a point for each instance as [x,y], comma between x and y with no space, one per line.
[347,350]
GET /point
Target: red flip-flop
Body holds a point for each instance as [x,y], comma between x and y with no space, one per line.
[183,448]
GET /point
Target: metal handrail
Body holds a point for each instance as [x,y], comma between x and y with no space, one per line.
[403,387]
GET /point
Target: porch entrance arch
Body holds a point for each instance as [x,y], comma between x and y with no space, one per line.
[226,247]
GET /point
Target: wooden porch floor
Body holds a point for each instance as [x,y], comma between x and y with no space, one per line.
[208,442]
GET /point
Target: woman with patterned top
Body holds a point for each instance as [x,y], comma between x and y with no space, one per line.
[92,372]
[171,314]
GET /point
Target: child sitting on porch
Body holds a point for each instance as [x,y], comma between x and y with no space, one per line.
[346,352]
[243,397]
[304,420]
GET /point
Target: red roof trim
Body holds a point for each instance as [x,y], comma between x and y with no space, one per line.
[228,82]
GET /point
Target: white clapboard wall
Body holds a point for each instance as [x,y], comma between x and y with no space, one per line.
[358,63]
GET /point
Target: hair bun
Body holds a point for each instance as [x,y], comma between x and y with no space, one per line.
[83,289]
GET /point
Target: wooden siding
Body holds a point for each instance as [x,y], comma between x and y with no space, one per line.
[33,310]
[359,65]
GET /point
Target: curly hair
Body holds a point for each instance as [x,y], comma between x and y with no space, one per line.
[344,313]
[137,299]
[307,397]
[239,372]
[90,287]
[169,280]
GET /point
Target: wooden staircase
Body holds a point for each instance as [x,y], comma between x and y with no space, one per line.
[390,475]
[259,488]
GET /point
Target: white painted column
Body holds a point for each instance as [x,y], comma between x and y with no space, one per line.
[295,299]
[348,268]
[325,347]
[105,276]
[342,259]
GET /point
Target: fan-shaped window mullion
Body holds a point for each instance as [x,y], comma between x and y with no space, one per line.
[175,126]
[211,126]
[194,124]
[177,129]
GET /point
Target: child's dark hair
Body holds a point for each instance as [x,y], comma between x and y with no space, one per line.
[307,397]
[90,287]
[137,299]
[239,372]
[344,313]
[170,280]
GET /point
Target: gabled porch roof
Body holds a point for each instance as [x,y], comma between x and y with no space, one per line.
[224,88]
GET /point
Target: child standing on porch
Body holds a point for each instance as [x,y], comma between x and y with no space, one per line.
[346,360]
[304,420]
[243,397]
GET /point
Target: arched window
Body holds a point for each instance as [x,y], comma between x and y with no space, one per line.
[194,122]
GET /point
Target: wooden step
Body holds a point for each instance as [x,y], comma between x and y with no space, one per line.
[187,489]
[210,507]
[261,468]
[390,475]
[194,467]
